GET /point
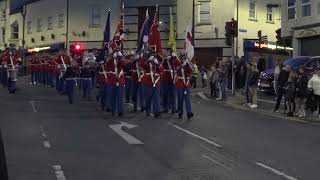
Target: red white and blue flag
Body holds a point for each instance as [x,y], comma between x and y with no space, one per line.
[119,35]
[144,34]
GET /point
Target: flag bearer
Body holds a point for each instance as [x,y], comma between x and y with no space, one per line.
[151,86]
[70,77]
[136,76]
[184,73]
[116,82]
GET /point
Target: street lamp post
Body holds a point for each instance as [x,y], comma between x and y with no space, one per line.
[193,22]
[67,26]
[23,13]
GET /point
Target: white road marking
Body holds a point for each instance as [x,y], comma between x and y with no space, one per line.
[202,96]
[127,137]
[219,156]
[216,162]
[277,172]
[58,172]
[195,135]
[33,106]
[47,144]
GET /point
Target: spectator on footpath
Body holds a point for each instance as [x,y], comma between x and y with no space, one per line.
[314,84]
[221,80]
[277,70]
[246,84]
[213,81]
[204,76]
[282,80]
[301,91]
[194,76]
[253,86]
[290,90]
[229,74]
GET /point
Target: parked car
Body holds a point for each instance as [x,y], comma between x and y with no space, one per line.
[266,79]
[3,165]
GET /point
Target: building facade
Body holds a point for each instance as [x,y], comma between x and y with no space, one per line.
[301,22]
[39,25]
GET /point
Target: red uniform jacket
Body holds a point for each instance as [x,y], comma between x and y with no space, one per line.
[115,78]
[170,67]
[16,58]
[183,82]
[152,69]
[101,75]
[137,65]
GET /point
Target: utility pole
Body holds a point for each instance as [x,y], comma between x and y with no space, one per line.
[67,27]
[193,22]
[23,13]
[237,39]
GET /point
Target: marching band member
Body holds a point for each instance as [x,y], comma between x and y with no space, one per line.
[4,77]
[116,82]
[86,80]
[136,76]
[151,85]
[127,73]
[64,62]
[70,77]
[13,62]
[102,81]
[184,73]
[168,84]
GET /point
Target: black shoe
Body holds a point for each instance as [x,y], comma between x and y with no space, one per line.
[120,114]
[112,114]
[108,110]
[173,112]
[157,115]
[165,111]
[142,110]
[180,116]
[190,115]
[290,114]
[148,115]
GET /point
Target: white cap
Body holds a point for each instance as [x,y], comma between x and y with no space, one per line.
[119,54]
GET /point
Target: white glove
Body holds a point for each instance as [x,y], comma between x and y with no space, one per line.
[119,54]
[151,58]
[115,55]
[169,57]
[155,60]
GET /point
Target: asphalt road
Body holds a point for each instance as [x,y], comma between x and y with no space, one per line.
[47,139]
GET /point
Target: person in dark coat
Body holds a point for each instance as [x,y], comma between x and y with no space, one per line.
[282,80]
[301,91]
[290,93]
[3,165]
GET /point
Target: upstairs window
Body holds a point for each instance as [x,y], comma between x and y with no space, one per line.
[95,17]
[269,14]
[252,10]
[205,11]
[291,9]
[305,8]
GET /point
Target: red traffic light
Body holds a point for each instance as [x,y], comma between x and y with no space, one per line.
[78,47]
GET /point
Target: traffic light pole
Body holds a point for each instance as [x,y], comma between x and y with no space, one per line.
[233,64]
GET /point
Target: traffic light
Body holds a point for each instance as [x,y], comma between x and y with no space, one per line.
[279,38]
[228,34]
[76,48]
[234,28]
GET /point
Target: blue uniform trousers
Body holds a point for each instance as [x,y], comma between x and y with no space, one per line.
[137,91]
[169,96]
[152,96]
[4,79]
[86,85]
[70,86]
[12,86]
[184,99]
[116,98]
[128,89]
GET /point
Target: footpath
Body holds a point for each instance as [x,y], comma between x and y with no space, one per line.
[266,105]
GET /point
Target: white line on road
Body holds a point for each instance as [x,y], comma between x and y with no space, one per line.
[277,172]
[47,144]
[33,106]
[216,162]
[195,135]
[127,137]
[219,156]
[58,172]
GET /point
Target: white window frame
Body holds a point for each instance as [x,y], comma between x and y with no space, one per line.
[95,16]
[318,7]
[39,24]
[292,7]
[253,10]
[270,17]
[61,20]
[29,27]
[14,34]
[202,11]
[3,14]
[303,5]
[3,34]
[50,23]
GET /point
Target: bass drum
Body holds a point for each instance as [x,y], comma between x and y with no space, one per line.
[90,58]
